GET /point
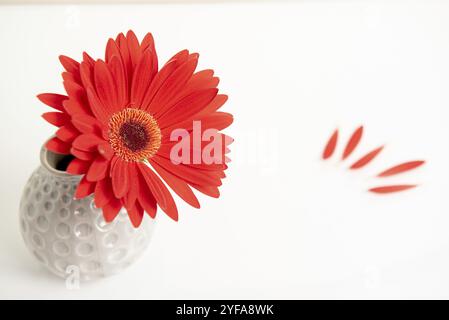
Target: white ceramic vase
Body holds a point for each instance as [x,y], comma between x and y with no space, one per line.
[68,235]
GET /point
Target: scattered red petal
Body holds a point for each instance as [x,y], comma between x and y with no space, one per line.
[330,146]
[353,142]
[407,166]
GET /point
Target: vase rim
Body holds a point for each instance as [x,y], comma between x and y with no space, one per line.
[49,159]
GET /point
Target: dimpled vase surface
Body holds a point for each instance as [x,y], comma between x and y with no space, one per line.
[64,233]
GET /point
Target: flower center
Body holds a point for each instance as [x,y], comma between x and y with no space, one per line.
[134,134]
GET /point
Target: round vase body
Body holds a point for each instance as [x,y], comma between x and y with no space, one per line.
[70,236]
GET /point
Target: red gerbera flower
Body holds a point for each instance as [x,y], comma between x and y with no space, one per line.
[116,121]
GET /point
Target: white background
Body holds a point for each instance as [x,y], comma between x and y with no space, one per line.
[288,225]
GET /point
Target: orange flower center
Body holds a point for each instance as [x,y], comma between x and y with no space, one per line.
[134,134]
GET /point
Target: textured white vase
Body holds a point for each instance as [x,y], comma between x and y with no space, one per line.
[68,235]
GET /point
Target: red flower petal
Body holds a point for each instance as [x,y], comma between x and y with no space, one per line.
[58,146]
[157,82]
[120,181]
[100,111]
[111,210]
[67,133]
[143,75]
[353,142]
[391,189]
[86,123]
[87,142]
[146,198]
[407,166]
[103,193]
[84,189]
[172,85]
[57,119]
[77,166]
[187,107]
[98,169]
[69,64]
[133,47]
[105,150]
[112,50]
[136,214]
[187,173]
[210,191]
[214,105]
[82,155]
[131,196]
[330,146]
[366,159]
[53,100]
[121,82]
[181,188]
[216,120]
[105,87]
[159,191]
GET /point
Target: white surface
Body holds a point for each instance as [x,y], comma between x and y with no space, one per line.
[287,225]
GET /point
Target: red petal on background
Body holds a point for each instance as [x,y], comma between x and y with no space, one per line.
[105,87]
[189,174]
[120,178]
[180,187]
[187,107]
[148,44]
[67,133]
[121,82]
[69,64]
[136,214]
[103,192]
[392,189]
[84,189]
[87,142]
[57,119]
[157,82]
[88,59]
[77,166]
[401,168]
[82,155]
[112,50]
[366,159]
[86,73]
[86,123]
[146,198]
[217,120]
[67,76]
[179,58]
[203,79]
[172,86]
[133,47]
[330,146]
[98,169]
[124,52]
[143,75]
[111,210]
[53,100]
[58,146]
[353,142]
[159,191]
[207,190]
[214,105]
[77,93]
